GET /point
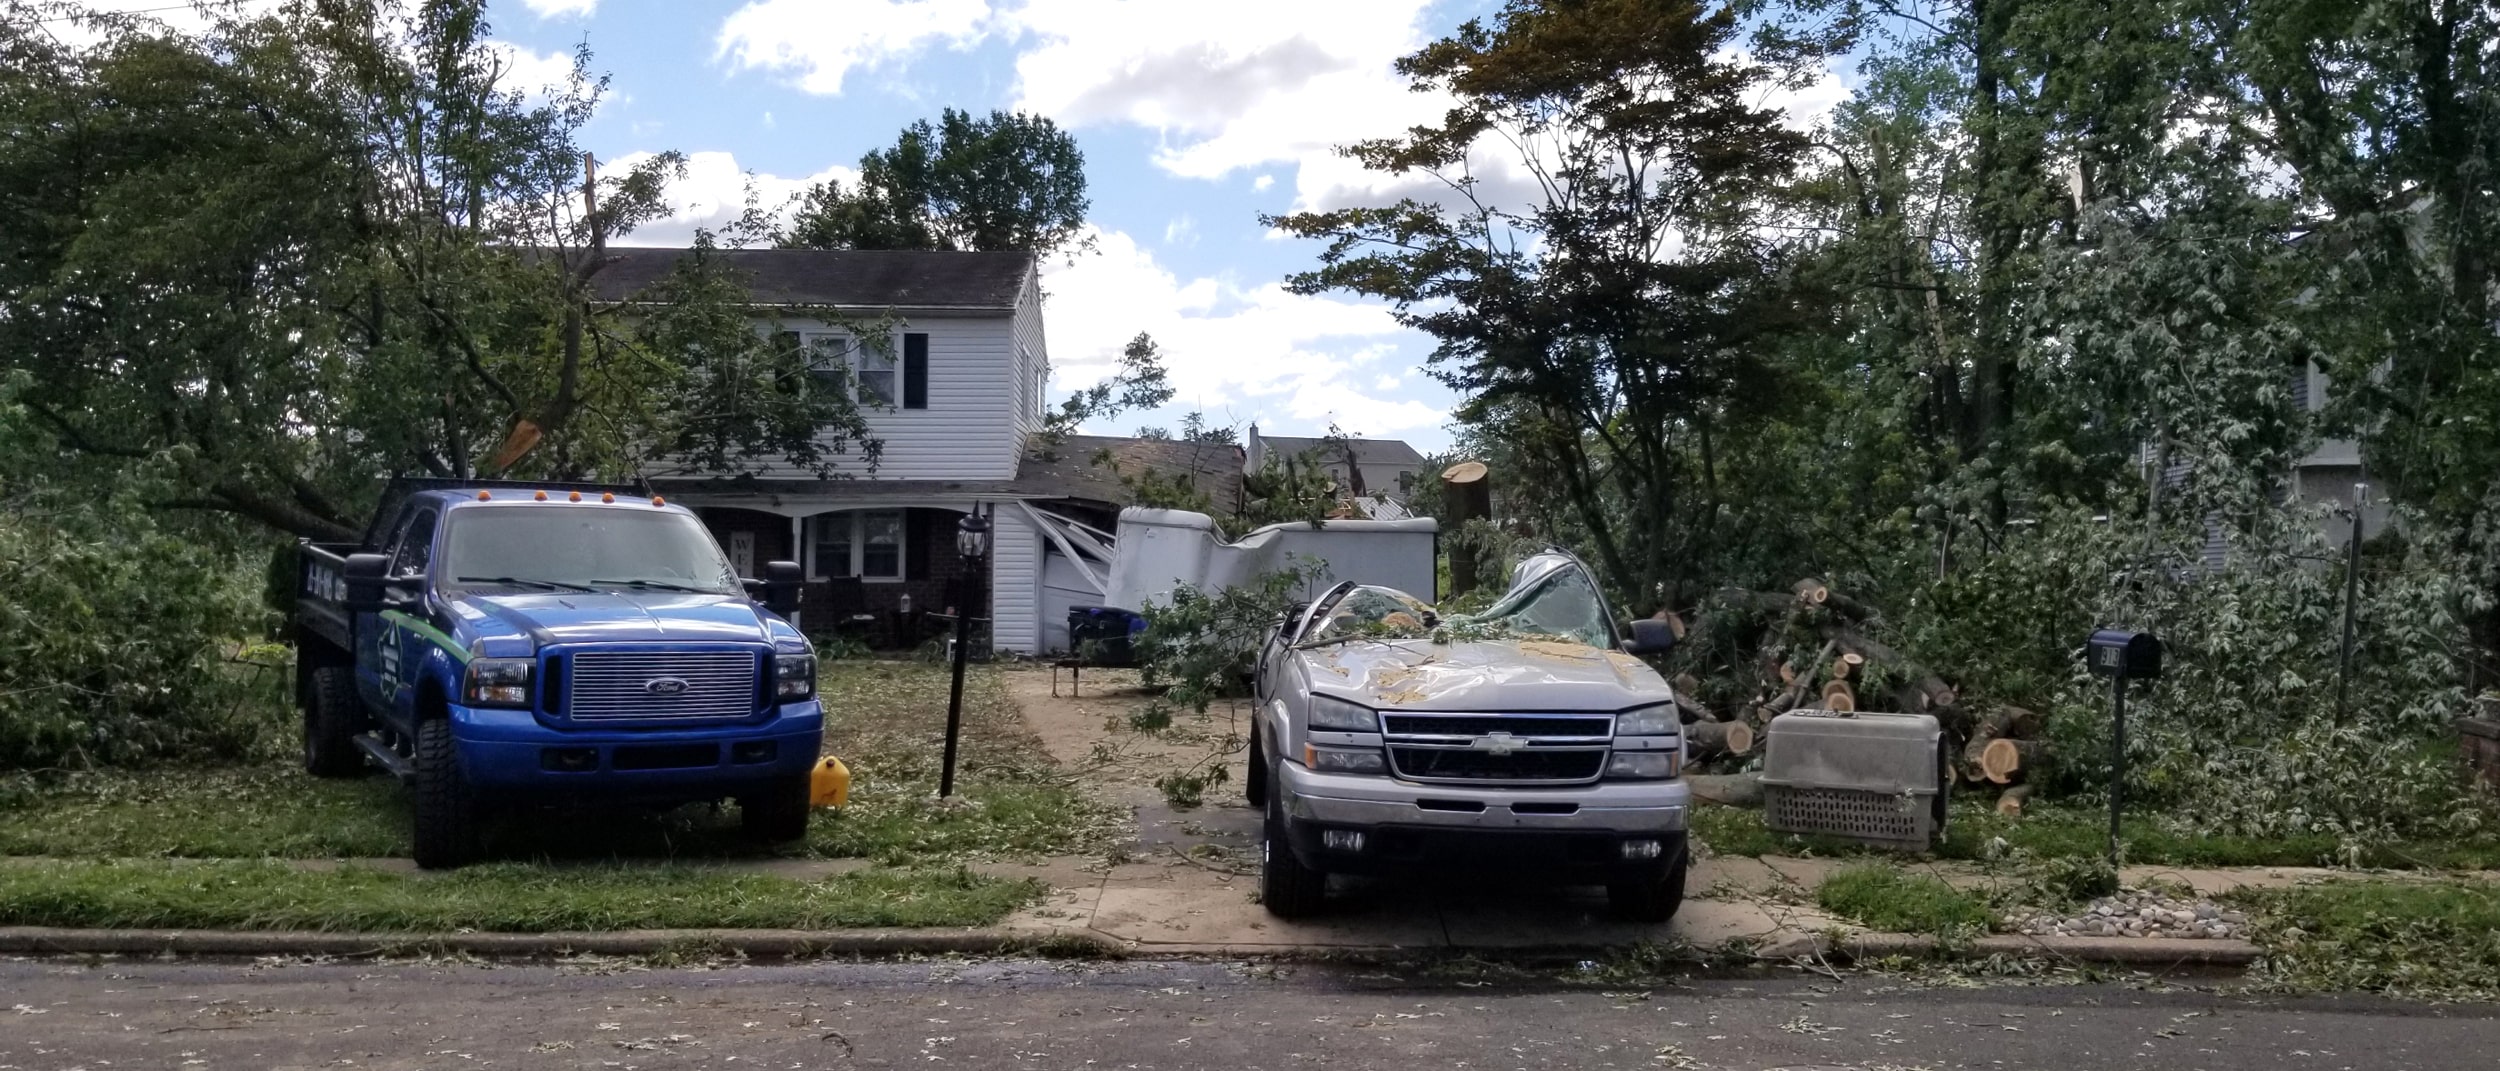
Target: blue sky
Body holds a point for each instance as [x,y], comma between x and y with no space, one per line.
[1195,117]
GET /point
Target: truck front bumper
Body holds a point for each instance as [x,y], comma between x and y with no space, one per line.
[1594,832]
[509,752]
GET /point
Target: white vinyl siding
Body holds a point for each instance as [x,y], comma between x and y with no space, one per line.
[968,432]
[1033,379]
[1015,583]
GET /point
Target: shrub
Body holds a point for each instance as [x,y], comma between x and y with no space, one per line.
[121,643]
[2242,735]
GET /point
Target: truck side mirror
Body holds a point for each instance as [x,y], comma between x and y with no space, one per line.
[364,574]
[1650,636]
[782,581]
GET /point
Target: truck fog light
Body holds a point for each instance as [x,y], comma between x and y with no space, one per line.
[1642,849]
[1346,840]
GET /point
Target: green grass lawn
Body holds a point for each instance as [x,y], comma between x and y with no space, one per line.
[2053,831]
[885,719]
[1885,898]
[2425,938]
[500,897]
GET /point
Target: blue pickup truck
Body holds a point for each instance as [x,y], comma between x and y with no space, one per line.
[501,644]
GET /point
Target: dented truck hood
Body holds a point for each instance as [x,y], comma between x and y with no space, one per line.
[1483,675]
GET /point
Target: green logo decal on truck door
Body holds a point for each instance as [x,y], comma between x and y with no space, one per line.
[450,646]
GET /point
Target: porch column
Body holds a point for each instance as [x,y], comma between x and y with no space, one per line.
[798,553]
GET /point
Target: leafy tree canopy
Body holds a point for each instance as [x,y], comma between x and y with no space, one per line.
[318,244]
[1009,181]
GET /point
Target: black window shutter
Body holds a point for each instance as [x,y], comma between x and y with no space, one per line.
[915,370]
[916,548]
[786,343]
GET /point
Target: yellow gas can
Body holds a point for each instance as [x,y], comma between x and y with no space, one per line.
[830,784]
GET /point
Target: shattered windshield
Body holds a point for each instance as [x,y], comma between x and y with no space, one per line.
[1367,611]
[1551,598]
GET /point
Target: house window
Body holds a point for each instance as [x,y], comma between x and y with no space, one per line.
[839,362]
[864,543]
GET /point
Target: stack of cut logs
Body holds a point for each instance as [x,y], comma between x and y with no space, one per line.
[1767,653]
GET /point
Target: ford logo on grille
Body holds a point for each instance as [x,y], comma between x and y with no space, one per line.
[1496,744]
[666,686]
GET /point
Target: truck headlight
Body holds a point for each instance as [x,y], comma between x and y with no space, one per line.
[1649,721]
[1342,716]
[794,676]
[1344,760]
[1645,765]
[497,682]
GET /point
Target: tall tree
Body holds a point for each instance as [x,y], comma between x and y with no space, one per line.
[306,248]
[1007,181]
[1618,310]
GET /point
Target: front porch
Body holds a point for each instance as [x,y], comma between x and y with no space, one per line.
[886,576]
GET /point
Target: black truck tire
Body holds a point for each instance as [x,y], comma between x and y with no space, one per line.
[1254,775]
[332,718]
[1650,899]
[446,812]
[1288,889]
[777,814]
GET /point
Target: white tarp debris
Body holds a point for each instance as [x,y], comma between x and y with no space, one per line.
[1160,549]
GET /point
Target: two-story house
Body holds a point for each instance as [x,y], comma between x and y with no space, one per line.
[956,397]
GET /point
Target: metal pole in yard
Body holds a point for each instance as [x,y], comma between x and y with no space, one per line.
[955,699]
[972,543]
[2352,598]
[2117,761]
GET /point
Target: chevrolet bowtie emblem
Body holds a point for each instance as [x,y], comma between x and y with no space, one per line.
[1496,744]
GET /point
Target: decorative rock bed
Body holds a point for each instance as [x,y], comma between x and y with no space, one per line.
[2134,913]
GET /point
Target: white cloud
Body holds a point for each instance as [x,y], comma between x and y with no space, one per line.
[529,71]
[1182,230]
[1228,86]
[550,8]
[822,42]
[1806,106]
[1261,183]
[713,192]
[1252,351]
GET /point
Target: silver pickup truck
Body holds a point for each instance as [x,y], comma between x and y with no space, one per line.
[1529,737]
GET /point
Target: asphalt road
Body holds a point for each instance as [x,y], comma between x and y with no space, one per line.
[120,1015]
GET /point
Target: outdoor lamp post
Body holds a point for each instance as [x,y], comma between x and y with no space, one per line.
[972,541]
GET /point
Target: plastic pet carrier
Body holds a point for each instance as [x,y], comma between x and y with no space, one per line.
[1876,779]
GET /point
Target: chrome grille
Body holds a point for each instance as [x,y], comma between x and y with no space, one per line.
[1498,748]
[617,685]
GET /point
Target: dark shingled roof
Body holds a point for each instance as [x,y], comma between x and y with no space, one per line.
[1077,468]
[1366,451]
[857,278]
[1069,471]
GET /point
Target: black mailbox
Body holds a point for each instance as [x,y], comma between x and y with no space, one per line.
[2116,652]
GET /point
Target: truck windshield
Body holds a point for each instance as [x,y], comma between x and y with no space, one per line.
[1551,596]
[582,548]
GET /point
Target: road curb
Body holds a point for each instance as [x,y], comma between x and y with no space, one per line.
[771,944]
[814,944]
[2113,951]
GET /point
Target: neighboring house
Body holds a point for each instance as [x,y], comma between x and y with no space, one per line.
[957,398]
[1386,467]
[2332,473]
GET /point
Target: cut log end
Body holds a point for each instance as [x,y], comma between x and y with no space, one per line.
[2010,802]
[1837,695]
[2001,760]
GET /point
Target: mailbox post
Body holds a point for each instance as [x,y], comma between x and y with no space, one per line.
[2120,655]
